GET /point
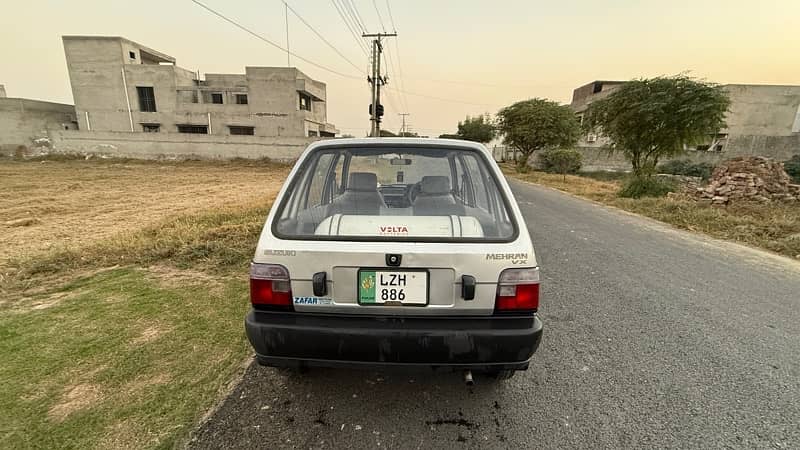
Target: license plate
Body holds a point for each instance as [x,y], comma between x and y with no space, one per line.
[393,287]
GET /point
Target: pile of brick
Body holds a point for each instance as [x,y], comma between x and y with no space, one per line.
[749,178]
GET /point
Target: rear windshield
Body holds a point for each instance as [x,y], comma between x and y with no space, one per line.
[386,193]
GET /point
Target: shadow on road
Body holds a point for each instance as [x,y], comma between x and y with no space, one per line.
[357,409]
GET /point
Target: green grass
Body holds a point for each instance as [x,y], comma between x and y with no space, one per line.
[121,359]
[127,342]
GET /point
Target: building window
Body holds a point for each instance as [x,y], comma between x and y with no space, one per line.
[242,131]
[216,97]
[151,127]
[147,99]
[305,102]
[193,129]
[132,55]
[241,99]
[312,133]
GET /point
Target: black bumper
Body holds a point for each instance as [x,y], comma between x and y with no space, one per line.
[477,343]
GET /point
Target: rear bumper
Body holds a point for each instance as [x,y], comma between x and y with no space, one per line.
[477,343]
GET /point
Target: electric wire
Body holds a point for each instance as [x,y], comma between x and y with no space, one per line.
[356,35]
[262,38]
[379,15]
[321,36]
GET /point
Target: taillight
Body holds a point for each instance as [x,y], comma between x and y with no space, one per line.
[518,290]
[270,286]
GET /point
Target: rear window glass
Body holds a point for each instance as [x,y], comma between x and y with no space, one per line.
[394,194]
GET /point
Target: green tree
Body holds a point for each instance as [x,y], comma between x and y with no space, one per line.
[478,129]
[650,119]
[537,124]
[561,160]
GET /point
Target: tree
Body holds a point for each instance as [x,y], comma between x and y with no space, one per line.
[478,129]
[537,124]
[650,119]
[449,136]
[561,160]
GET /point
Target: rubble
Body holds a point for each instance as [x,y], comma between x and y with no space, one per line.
[748,178]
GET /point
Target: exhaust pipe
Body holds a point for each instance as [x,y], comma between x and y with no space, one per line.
[468,378]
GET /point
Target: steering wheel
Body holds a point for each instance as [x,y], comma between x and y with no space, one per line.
[412,191]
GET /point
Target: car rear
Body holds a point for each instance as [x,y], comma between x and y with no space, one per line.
[395,252]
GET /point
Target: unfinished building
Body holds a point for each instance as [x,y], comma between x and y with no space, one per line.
[121,86]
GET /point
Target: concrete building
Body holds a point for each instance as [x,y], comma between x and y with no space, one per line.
[121,86]
[26,123]
[762,120]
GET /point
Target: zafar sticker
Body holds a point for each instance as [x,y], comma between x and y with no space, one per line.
[312,301]
[366,287]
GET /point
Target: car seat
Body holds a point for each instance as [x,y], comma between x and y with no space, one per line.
[360,197]
[436,199]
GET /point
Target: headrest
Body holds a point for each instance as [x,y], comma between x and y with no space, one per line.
[435,185]
[362,181]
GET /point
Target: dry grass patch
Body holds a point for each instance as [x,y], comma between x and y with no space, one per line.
[55,204]
[585,187]
[76,398]
[772,226]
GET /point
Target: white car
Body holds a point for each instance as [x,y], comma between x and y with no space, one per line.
[395,251]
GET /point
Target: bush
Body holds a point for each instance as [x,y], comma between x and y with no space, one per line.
[792,167]
[638,187]
[561,161]
[687,168]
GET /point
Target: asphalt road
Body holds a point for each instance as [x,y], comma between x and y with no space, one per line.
[653,338]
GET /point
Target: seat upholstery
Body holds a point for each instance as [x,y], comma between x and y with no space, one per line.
[360,197]
[436,199]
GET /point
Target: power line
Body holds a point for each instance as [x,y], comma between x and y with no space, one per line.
[400,77]
[321,36]
[443,99]
[350,8]
[262,38]
[379,15]
[356,35]
[390,63]
[391,19]
[478,83]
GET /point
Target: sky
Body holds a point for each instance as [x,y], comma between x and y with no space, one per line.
[457,58]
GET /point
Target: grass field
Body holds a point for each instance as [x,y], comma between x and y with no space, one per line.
[122,296]
[774,226]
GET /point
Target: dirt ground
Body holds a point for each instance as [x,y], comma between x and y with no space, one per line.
[50,204]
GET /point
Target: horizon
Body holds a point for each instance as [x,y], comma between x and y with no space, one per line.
[449,72]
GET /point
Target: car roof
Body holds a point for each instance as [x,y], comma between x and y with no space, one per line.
[395,142]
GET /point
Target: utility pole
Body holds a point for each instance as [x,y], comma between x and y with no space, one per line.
[286,12]
[376,80]
[403,129]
